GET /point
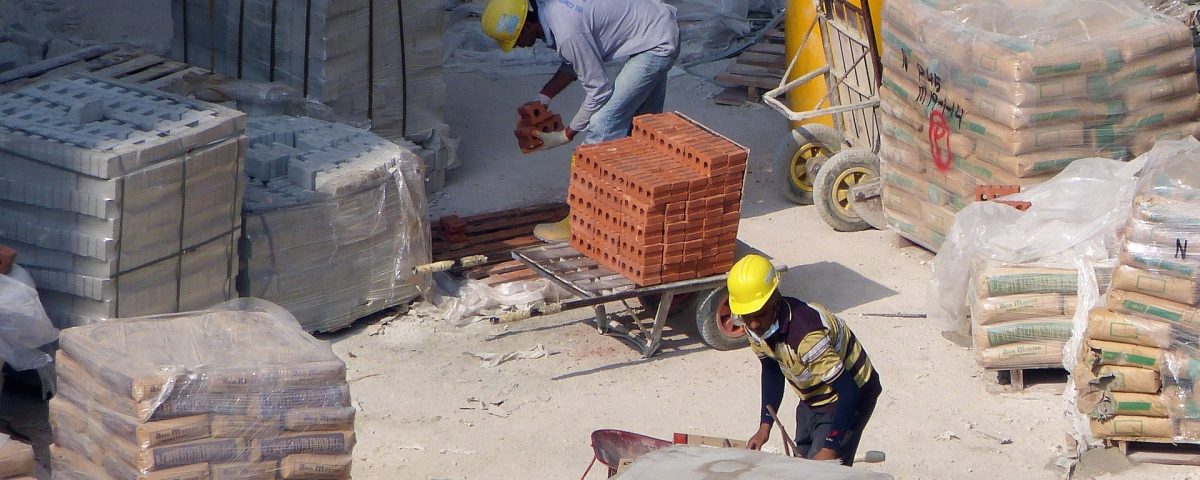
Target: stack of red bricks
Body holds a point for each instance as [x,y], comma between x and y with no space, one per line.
[533,117]
[660,206]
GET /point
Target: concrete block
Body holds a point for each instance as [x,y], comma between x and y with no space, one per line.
[86,111]
[12,56]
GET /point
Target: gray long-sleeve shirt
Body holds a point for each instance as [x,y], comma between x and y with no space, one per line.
[588,33]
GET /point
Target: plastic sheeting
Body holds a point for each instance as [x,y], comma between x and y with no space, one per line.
[1077,214]
[24,326]
[1139,360]
[237,391]
[335,219]
[1002,92]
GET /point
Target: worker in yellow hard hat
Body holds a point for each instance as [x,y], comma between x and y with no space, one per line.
[815,352]
[587,34]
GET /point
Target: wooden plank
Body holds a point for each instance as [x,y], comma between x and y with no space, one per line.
[735,96]
[515,212]
[747,81]
[1161,452]
[754,71]
[762,60]
[775,36]
[496,269]
[494,248]
[168,82]
[155,72]
[528,220]
[515,276]
[122,69]
[38,68]
[553,252]
[771,48]
[483,238]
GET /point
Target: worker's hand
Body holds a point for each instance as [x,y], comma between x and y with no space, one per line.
[826,454]
[760,437]
[543,99]
[554,139]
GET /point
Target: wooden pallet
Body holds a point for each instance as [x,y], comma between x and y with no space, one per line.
[494,235]
[1157,450]
[1012,379]
[760,67]
[128,65]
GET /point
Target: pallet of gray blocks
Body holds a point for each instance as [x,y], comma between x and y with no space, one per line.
[120,200]
[334,220]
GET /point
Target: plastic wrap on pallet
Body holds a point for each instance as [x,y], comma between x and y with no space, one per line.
[1009,265]
[236,391]
[349,203]
[1010,93]
[1146,333]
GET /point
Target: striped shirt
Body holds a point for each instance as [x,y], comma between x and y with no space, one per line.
[813,347]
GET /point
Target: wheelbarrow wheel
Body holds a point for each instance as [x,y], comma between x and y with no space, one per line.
[832,185]
[714,322]
[797,155]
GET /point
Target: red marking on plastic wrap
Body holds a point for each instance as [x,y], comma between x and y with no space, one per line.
[939,140]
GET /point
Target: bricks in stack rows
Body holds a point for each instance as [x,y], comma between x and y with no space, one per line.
[662,205]
[533,117]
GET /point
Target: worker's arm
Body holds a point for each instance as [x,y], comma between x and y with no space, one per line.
[559,81]
[581,52]
[772,395]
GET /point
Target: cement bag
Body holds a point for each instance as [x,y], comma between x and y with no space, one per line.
[16,458]
[1179,214]
[987,310]
[938,195]
[938,218]
[1104,324]
[1163,259]
[916,141]
[1161,115]
[1103,405]
[1021,354]
[913,230]
[995,281]
[1184,316]
[1145,139]
[897,102]
[315,467]
[986,173]
[1018,141]
[1179,290]
[1189,429]
[900,201]
[1129,426]
[1159,65]
[898,152]
[1158,93]
[1115,379]
[1036,115]
[900,178]
[1100,352]
[1183,401]
[1017,331]
[1008,61]
[1183,365]
[1142,231]
[955,181]
[1071,91]
[1153,36]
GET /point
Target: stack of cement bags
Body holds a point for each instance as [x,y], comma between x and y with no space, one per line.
[987,93]
[16,459]
[121,201]
[241,392]
[376,60]
[1021,315]
[335,220]
[1140,362]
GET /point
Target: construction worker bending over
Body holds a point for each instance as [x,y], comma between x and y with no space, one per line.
[587,33]
[815,352]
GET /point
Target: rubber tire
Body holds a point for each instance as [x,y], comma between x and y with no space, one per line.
[817,133]
[824,188]
[705,310]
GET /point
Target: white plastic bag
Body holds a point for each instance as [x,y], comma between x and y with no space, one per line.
[24,326]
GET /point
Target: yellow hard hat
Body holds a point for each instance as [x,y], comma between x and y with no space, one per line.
[503,21]
[751,282]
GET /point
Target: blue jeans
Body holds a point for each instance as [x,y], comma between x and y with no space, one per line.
[640,87]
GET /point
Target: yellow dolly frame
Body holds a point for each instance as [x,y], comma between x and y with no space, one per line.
[835,168]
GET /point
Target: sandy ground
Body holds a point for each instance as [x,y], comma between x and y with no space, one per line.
[422,398]
[427,410]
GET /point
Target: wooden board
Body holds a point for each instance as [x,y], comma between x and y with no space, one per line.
[756,71]
[1158,450]
[766,83]
[734,96]
[770,48]
[763,60]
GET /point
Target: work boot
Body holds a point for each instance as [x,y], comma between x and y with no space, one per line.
[559,231]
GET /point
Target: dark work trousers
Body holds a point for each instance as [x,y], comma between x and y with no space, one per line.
[813,425]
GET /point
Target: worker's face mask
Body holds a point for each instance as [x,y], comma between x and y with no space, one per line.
[738,320]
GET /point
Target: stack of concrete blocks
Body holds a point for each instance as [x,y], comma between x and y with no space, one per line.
[120,200]
[335,219]
[31,31]
[1139,373]
[999,94]
[660,206]
[227,393]
[376,61]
